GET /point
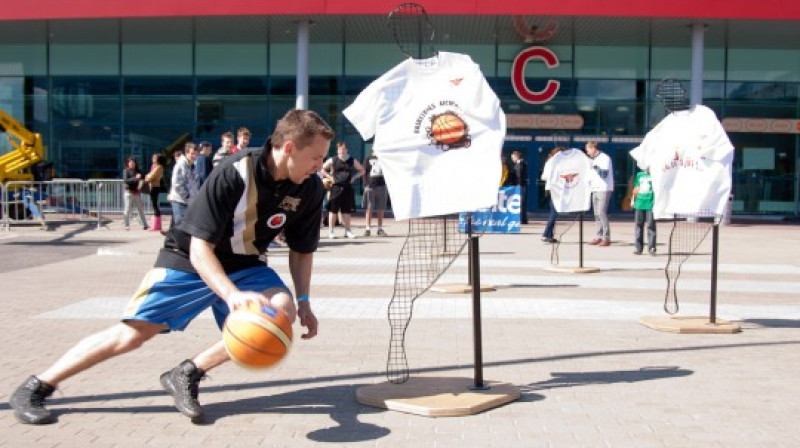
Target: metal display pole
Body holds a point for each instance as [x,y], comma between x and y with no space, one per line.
[580,240]
[475,282]
[474,255]
[714,263]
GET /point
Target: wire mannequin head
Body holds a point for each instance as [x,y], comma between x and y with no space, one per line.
[672,95]
[412,30]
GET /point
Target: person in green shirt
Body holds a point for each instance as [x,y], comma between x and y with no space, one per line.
[642,200]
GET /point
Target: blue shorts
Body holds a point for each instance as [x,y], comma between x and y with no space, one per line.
[174,298]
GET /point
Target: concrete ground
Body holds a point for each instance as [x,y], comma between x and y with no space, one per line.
[590,375]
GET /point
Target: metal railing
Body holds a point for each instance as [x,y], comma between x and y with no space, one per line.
[63,200]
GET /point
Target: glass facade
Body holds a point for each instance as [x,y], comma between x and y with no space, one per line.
[101,90]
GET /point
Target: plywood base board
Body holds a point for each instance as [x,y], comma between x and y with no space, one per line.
[460,288]
[572,270]
[689,324]
[437,396]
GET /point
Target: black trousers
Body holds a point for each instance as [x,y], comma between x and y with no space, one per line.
[643,217]
[523,213]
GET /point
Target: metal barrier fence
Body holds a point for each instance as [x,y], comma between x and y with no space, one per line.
[64,200]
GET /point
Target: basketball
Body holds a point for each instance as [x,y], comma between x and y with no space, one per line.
[448,128]
[257,337]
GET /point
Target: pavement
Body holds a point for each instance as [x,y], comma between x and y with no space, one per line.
[589,373]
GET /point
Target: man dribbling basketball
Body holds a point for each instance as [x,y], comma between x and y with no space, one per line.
[214,259]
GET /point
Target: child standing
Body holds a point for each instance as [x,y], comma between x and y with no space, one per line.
[642,200]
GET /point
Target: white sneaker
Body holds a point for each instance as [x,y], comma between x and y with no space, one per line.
[349,234]
[331,236]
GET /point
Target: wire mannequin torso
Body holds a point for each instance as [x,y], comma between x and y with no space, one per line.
[413,33]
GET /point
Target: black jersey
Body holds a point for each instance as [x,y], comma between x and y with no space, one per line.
[343,171]
[241,209]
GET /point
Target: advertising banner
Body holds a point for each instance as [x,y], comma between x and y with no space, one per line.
[502,218]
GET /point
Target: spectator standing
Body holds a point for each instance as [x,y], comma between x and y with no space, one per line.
[548,236]
[507,177]
[642,201]
[344,170]
[184,185]
[226,140]
[132,178]
[242,140]
[155,178]
[204,164]
[375,194]
[601,193]
[521,177]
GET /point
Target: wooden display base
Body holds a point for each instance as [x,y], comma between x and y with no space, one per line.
[689,324]
[572,270]
[460,289]
[437,396]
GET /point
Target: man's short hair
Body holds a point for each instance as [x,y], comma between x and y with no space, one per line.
[300,126]
[243,131]
[188,147]
[227,135]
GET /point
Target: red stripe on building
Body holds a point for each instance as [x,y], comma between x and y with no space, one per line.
[708,9]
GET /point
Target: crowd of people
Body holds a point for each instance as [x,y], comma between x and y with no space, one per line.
[340,173]
[191,165]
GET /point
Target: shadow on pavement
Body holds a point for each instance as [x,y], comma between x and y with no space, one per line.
[339,402]
[571,379]
[774,323]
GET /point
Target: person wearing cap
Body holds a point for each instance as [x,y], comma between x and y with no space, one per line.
[203,164]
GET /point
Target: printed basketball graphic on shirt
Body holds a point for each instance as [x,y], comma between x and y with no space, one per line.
[449,131]
[276,221]
[570,179]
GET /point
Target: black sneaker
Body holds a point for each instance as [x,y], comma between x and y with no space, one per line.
[652,250]
[182,383]
[28,402]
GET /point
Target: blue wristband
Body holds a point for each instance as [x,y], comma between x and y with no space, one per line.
[303,298]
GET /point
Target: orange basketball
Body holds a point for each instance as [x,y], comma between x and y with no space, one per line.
[257,337]
[448,128]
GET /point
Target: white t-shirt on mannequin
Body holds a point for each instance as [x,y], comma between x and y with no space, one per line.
[568,176]
[438,130]
[689,156]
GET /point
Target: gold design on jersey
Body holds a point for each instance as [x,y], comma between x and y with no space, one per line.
[290,204]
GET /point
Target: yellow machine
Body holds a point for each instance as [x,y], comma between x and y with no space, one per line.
[28,150]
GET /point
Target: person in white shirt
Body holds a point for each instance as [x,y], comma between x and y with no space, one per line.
[601,193]
[225,150]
